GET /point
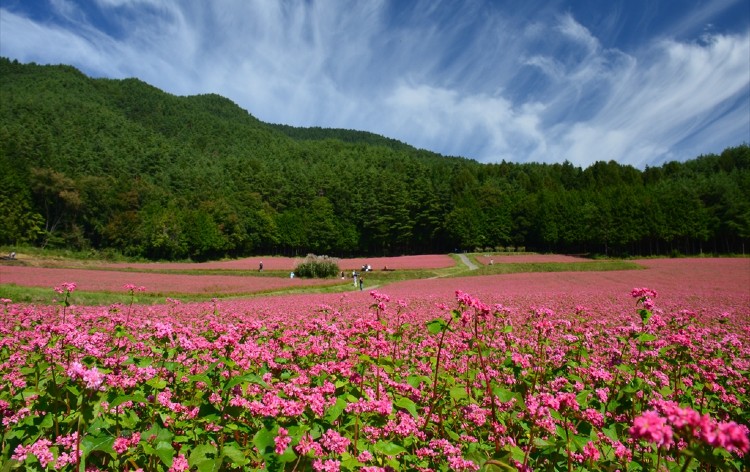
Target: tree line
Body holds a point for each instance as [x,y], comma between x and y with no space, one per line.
[119,166]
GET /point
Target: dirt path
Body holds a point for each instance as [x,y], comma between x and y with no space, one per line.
[467,262]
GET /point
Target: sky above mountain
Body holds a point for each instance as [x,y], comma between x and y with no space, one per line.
[640,82]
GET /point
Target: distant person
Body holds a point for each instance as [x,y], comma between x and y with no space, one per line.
[492,261]
[291,275]
[260,266]
[354,276]
[361,283]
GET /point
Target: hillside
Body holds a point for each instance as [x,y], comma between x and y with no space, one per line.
[118,165]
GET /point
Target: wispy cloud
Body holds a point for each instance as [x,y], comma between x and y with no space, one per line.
[462,78]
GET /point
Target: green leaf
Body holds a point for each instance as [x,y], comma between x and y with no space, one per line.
[200,378]
[416,380]
[335,410]
[249,378]
[581,441]
[263,440]
[503,394]
[408,405]
[11,465]
[165,452]
[233,452]
[201,452]
[90,444]
[288,456]
[388,448]
[435,326]
[517,453]
[582,397]
[125,398]
[458,393]
[647,337]
[539,442]
[611,432]
[157,383]
[204,458]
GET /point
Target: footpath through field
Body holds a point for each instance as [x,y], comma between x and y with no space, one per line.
[467,262]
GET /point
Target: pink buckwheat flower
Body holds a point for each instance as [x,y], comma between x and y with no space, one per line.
[40,449]
[121,445]
[307,444]
[365,456]
[652,428]
[179,464]
[282,440]
[643,292]
[334,442]
[590,452]
[328,465]
[66,287]
[731,436]
[91,377]
[134,288]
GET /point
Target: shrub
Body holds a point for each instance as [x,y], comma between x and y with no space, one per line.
[319,267]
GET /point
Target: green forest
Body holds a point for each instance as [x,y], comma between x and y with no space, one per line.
[120,167]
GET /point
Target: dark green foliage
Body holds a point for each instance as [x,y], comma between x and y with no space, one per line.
[318,267]
[120,165]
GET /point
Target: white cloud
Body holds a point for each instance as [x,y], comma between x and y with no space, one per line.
[573,30]
[656,103]
[466,79]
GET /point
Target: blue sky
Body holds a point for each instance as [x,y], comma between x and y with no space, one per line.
[640,82]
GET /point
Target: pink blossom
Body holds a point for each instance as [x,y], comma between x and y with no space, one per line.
[66,287]
[282,440]
[307,444]
[40,449]
[334,442]
[643,292]
[329,465]
[365,456]
[590,452]
[179,464]
[652,428]
[121,445]
[91,377]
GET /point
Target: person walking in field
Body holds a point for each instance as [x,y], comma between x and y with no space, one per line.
[260,266]
[361,283]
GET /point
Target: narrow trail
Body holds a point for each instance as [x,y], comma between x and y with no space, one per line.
[467,262]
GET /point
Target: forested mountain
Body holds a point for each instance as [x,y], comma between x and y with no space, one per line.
[118,165]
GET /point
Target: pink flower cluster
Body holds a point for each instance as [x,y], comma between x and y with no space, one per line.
[132,288]
[660,427]
[92,378]
[122,444]
[282,440]
[645,296]
[66,287]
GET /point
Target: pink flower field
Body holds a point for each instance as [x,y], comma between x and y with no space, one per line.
[624,370]
[436,261]
[113,280]
[520,258]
